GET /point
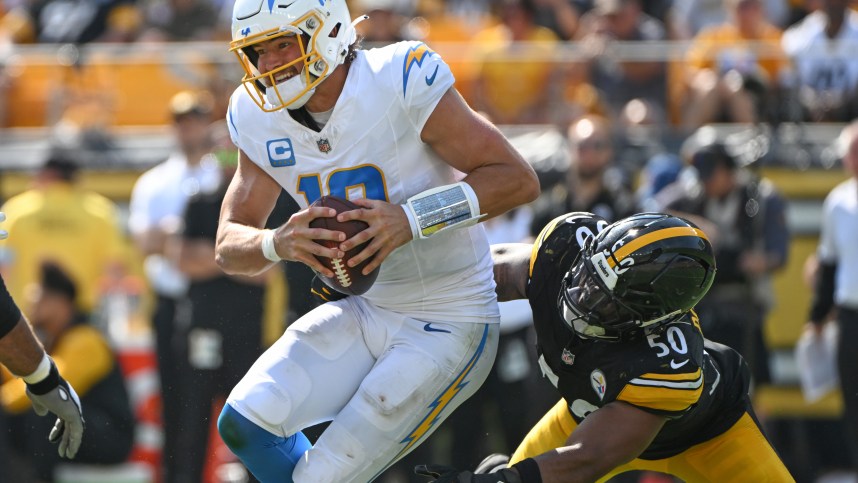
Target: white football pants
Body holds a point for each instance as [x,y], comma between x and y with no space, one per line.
[385,380]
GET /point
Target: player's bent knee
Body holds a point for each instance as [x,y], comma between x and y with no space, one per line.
[332,461]
[399,390]
[272,404]
[269,405]
[234,428]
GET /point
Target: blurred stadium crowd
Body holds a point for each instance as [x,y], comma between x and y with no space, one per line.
[726,111]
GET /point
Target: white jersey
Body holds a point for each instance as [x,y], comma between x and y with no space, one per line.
[837,240]
[371,148]
[826,65]
[161,194]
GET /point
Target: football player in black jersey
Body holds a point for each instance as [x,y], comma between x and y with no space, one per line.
[642,389]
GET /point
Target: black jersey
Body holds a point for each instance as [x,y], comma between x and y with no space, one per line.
[700,386]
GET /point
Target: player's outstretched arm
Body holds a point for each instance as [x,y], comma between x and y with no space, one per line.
[511,266]
[23,355]
[20,351]
[242,247]
[609,437]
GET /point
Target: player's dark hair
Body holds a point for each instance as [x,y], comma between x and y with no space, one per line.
[55,280]
[353,48]
[710,157]
[60,162]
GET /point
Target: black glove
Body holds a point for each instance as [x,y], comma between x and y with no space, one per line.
[492,464]
[324,293]
[448,474]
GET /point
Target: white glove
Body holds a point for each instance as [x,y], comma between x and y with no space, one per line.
[3,233]
[55,395]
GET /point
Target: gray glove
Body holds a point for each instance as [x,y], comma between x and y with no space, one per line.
[3,233]
[53,394]
[447,474]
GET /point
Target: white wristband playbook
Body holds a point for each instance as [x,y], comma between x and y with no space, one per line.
[445,207]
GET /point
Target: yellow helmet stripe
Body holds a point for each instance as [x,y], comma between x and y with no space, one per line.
[653,237]
[540,239]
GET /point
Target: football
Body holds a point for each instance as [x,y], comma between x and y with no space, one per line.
[347,280]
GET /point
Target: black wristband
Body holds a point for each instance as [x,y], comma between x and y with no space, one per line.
[47,384]
[528,469]
[10,314]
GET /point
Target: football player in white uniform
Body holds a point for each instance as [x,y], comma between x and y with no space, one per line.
[826,70]
[386,129]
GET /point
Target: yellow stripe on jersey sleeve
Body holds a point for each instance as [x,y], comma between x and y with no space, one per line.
[664,392]
[689,377]
[541,239]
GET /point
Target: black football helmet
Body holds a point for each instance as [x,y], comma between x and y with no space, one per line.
[642,271]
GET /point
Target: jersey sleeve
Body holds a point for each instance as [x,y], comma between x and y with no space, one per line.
[667,394]
[667,375]
[827,250]
[232,116]
[422,77]
[142,198]
[790,40]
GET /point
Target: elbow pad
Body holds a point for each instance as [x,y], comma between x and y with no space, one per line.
[446,207]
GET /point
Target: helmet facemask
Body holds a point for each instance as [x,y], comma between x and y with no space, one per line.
[292,93]
[648,272]
[590,308]
[326,32]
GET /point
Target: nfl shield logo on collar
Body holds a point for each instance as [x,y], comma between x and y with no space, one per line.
[324,145]
[567,357]
[599,383]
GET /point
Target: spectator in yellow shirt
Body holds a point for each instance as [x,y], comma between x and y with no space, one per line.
[85,359]
[57,220]
[516,69]
[732,66]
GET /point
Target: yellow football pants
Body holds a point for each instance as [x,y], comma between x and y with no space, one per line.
[740,455]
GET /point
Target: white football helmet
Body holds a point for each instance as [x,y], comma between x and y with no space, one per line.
[329,27]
